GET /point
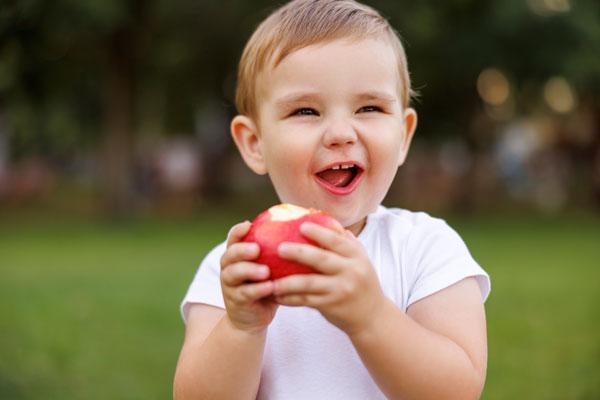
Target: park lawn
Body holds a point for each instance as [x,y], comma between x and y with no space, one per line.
[90,310]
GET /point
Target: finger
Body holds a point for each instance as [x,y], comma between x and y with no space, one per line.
[338,242]
[251,292]
[305,284]
[298,300]
[237,232]
[322,260]
[335,225]
[238,273]
[240,251]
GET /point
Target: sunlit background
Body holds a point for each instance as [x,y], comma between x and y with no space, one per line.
[117,174]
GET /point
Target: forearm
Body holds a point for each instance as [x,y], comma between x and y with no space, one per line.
[226,365]
[409,361]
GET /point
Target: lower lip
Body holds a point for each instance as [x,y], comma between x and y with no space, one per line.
[340,191]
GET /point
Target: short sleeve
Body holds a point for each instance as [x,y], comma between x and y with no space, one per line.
[206,286]
[436,258]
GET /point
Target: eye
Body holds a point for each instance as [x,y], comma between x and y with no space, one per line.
[304,111]
[370,109]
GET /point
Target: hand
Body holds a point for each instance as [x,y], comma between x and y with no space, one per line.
[347,292]
[246,290]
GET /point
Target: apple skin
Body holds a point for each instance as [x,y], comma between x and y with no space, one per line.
[269,233]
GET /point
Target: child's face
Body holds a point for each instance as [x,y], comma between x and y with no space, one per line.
[328,105]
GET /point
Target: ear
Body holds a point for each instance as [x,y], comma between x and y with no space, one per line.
[410,125]
[244,132]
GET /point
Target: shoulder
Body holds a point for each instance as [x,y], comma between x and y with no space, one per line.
[417,236]
[211,263]
[406,225]
[432,255]
[214,255]
[420,233]
[206,285]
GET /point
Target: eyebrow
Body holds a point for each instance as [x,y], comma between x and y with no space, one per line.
[296,98]
[376,95]
[309,96]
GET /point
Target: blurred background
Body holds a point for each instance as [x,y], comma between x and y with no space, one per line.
[117,175]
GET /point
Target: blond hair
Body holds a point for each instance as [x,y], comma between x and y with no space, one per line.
[302,23]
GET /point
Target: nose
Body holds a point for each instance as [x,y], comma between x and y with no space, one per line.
[339,133]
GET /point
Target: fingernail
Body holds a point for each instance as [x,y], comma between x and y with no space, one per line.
[283,248]
[263,269]
[305,227]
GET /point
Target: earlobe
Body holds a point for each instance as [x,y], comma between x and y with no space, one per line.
[245,135]
[410,125]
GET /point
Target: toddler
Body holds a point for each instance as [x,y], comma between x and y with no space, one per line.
[396,312]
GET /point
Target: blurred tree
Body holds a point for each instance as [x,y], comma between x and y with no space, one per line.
[75,74]
[450,43]
[75,77]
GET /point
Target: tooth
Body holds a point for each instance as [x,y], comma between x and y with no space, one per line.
[336,167]
[346,166]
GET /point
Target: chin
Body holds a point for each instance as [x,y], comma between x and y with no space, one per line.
[345,217]
[344,209]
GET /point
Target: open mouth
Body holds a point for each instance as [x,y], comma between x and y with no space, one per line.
[340,178]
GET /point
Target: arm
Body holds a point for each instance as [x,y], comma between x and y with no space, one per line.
[222,352]
[217,361]
[437,350]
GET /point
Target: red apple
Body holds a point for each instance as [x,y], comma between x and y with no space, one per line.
[281,223]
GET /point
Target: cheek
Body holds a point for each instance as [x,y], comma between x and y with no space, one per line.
[282,153]
[290,148]
[285,165]
[387,146]
[385,155]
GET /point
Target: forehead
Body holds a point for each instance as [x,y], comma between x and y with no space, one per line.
[336,67]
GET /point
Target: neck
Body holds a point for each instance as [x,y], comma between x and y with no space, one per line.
[357,228]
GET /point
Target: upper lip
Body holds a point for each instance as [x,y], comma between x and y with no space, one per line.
[340,164]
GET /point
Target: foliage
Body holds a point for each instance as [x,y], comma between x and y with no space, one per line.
[55,58]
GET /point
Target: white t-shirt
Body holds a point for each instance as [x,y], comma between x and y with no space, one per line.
[305,356]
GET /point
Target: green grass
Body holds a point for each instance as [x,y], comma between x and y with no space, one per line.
[544,311]
[90,310]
